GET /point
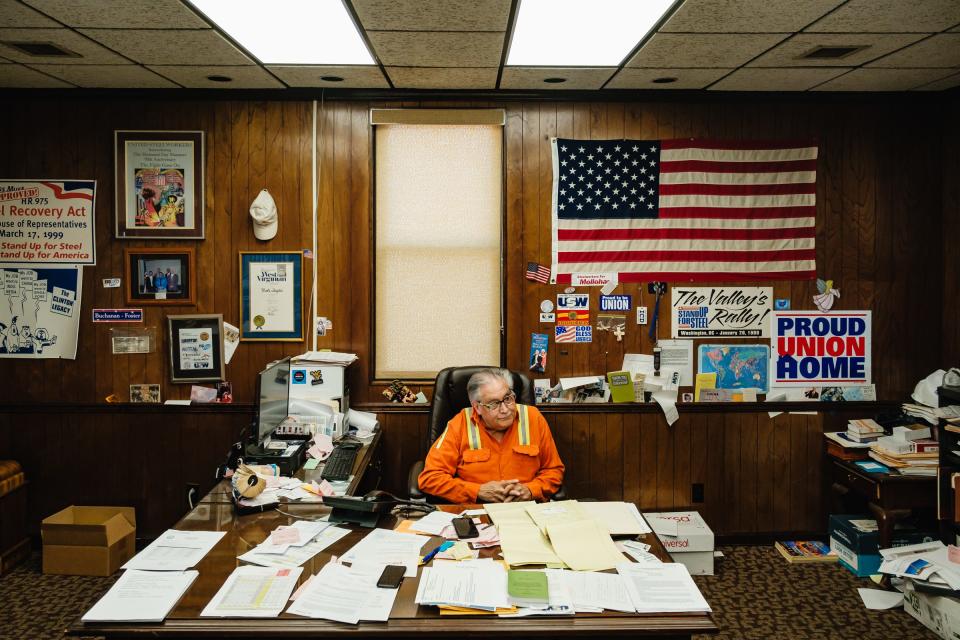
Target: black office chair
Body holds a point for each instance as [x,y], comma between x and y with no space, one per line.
[449,398]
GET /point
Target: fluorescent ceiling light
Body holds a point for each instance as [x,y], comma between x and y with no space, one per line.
[575,33]
[290,31]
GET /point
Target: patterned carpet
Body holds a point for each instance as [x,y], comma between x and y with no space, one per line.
[756,595]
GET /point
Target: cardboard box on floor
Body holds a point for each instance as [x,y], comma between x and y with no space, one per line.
[940,614]
[687,538]
[88,541]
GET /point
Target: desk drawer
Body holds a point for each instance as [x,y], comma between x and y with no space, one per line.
[859,484]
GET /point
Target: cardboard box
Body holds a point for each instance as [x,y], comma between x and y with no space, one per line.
[88,541]
[687,538]
[858,550]
[940,614]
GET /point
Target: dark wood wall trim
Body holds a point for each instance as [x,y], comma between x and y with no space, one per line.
[758,475]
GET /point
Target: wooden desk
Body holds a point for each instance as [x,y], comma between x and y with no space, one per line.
[890,497]
[366,474]
[407,618]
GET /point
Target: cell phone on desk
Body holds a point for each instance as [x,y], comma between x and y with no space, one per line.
[465,528]
[391,577]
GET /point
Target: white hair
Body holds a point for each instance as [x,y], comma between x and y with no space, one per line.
[484,377]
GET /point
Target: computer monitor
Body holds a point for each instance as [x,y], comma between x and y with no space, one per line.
[273,398]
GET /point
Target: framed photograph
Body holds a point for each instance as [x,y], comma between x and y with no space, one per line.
[159,183]
[160,276]
[145,393]
[271,298]
[196,348]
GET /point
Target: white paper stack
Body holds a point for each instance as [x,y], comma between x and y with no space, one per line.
[473,584]
[141,596]
[175,550]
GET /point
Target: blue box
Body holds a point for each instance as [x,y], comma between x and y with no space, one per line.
[858,550]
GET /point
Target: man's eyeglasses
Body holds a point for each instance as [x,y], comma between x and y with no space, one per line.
[508,401]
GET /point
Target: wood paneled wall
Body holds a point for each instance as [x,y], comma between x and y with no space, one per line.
[760,476]
[886,193]
[951,238]
[141,456]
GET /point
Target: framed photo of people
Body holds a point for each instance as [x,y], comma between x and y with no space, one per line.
[196,348]
[271,299]
[160,276]
[159,184]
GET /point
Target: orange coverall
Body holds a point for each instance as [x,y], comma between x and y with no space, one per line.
[453,471]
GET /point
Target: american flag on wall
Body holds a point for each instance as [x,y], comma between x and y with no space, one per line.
[684,210]
[537,272]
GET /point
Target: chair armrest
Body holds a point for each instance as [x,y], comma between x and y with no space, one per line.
[413,486]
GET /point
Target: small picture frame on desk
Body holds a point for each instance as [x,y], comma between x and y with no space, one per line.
[159,184]
[271,296]
[196,348]
[160,276]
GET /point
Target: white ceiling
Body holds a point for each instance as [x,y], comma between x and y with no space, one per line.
[712,45]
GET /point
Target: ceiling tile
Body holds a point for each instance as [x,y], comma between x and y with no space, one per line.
[890,16]
[243,77]
[14,14]
[448,15]
[703,50]
[944,83]
[791,79]
[102,76]
[578,78]
[20,77]
[121,14]
[787,54]
[686,78]
[90,52]
[746,16]
[883,79]
[355,77]
[440,78]
[432,49]
[941,50]
[175,46]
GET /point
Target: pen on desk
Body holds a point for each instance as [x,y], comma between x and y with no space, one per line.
[442,547]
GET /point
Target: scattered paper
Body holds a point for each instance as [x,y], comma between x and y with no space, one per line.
[175,550]
[385,546]
[668,402]
[662,588]
[433,523]
[879,599]
[296,556]
[231,340]
[253,592]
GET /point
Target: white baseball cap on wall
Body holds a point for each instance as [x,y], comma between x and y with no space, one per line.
[263,210]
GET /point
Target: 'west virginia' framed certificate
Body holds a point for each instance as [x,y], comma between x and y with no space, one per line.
[271,298]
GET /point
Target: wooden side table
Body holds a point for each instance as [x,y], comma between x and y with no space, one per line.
[891,497]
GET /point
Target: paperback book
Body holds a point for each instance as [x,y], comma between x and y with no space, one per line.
[796,551]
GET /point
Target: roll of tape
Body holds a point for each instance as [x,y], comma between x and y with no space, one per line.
[247,483]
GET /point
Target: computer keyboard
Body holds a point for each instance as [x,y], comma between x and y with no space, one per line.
[340,463]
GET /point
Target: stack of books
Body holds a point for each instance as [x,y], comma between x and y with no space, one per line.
[854,443]
[909,451]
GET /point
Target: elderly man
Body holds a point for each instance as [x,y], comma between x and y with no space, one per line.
[495,450]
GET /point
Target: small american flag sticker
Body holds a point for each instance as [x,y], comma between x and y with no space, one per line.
[537,272]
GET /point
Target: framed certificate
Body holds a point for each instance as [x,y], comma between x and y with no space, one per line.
[196,348]
[271,298]
[159,183]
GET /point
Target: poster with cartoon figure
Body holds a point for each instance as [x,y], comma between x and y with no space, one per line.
[39,311]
